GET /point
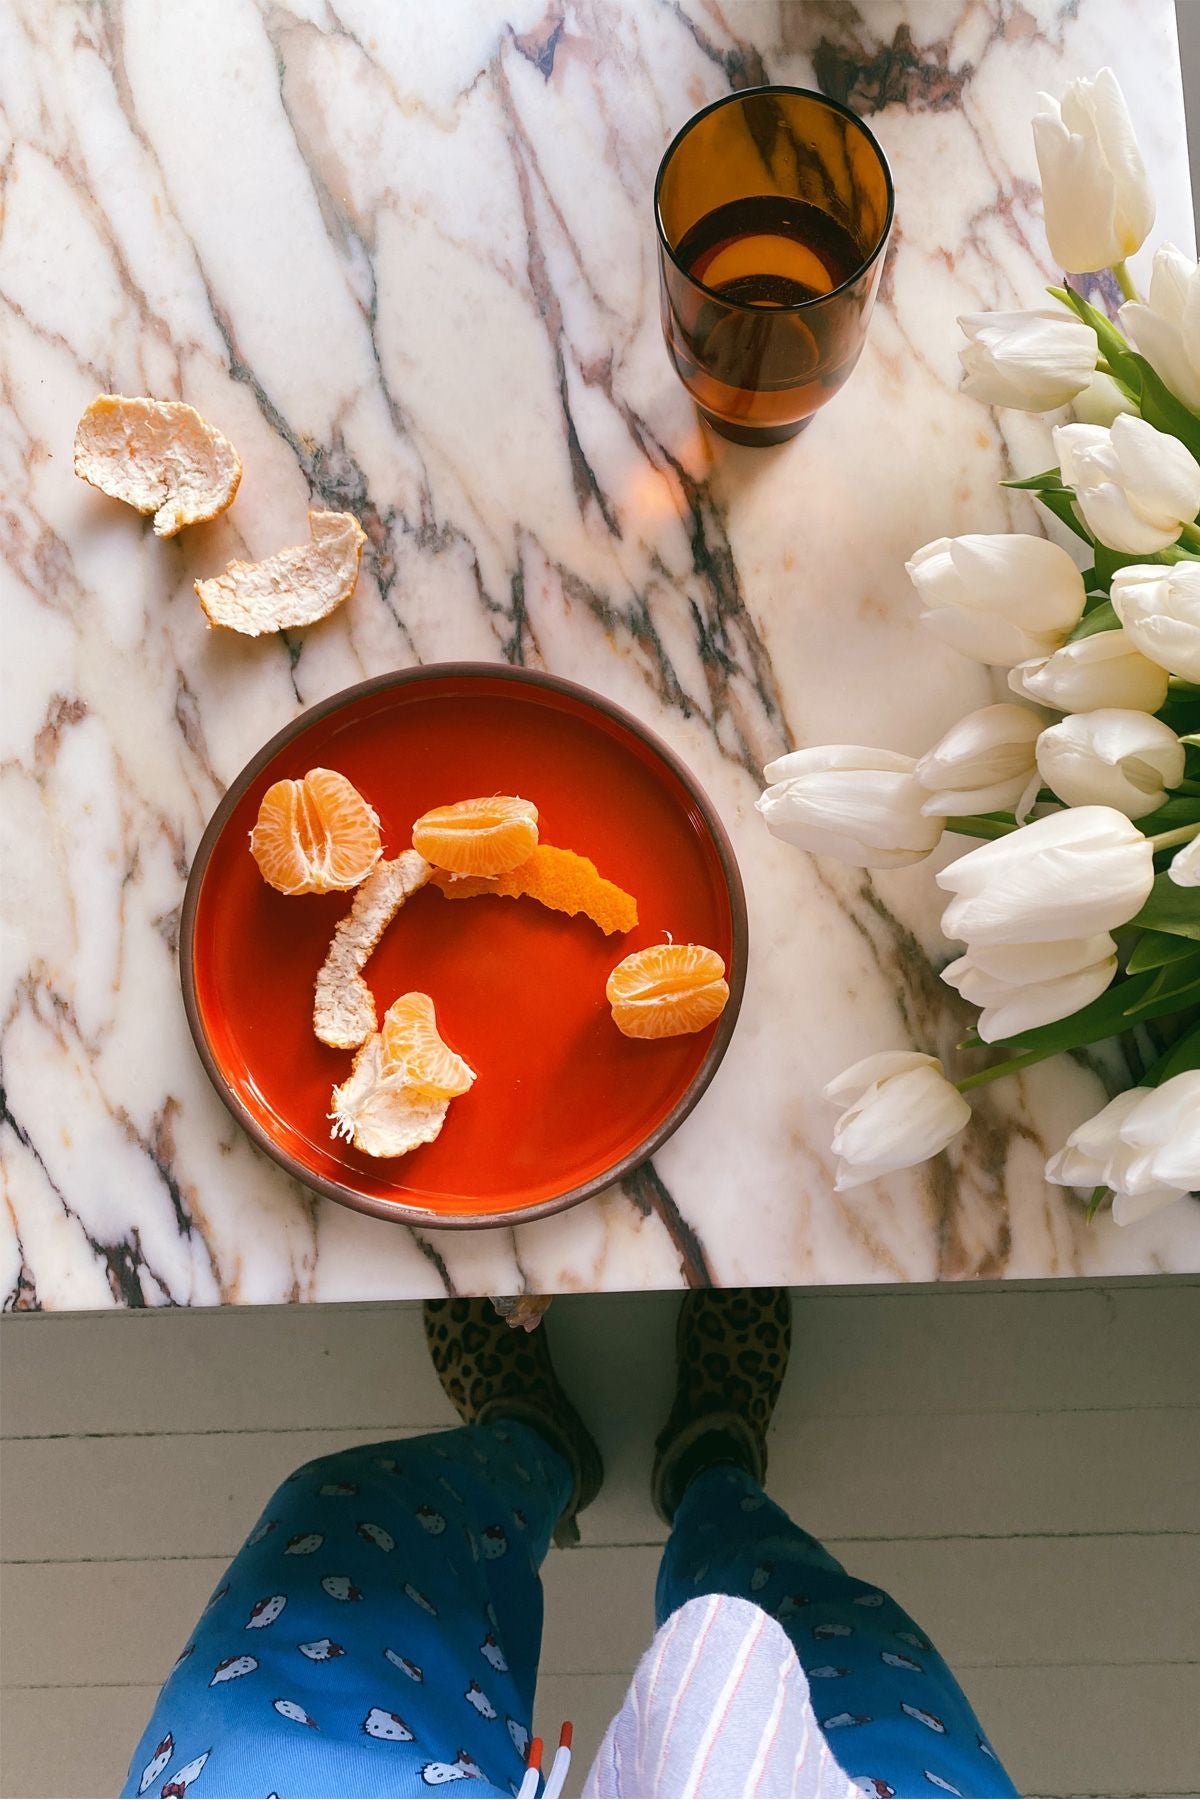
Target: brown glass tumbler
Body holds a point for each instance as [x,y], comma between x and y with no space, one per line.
[773,207]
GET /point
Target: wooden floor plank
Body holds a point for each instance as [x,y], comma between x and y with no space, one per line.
[992,1475]
[1104,1600]
[365,1367]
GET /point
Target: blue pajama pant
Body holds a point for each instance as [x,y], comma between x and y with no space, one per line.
[379,1633]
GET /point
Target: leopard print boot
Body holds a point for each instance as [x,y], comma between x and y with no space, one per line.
[732,1350]
[489,1370]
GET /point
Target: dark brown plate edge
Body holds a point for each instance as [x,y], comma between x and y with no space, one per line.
[398,1211]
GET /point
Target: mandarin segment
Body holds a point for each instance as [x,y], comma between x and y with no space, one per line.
[562,880]
[158,456]
[667,990]
[478,837]
[294,587]
[315,834]
[414,1047]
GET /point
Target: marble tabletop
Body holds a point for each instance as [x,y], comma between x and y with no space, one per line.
[403,256]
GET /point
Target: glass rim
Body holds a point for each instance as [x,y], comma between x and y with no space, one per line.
[775,87]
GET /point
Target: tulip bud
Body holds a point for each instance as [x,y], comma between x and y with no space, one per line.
[862,806]
[1160,610]
[1111,758]
[1136,487]
[1000,598]
[983,764]
[1184,868]
[1166,327]
[1105,669]
[1031,360]
[1073,874]
[1098,202]
[899,1110]
[1144,1145]
[1022,986]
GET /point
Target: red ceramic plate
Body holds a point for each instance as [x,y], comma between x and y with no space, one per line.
[563,1104]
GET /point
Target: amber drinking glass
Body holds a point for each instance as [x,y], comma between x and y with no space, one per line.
[773,208]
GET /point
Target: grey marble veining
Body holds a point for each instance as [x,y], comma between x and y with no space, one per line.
[403,256]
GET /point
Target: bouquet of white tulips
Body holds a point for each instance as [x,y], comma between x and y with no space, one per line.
[1080,910]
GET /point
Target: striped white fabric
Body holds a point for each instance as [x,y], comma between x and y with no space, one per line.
[719,1705]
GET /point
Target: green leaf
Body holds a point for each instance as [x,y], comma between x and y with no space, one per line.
[1100,618]
[1182,1056]
[1180,809]
[1049,480]
[1161,409]
[1154,949]
[1177,982]
[1113,347]
[1061,502]
[1171,908]
[1099,1196]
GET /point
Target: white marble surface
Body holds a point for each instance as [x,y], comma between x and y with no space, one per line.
[403,256]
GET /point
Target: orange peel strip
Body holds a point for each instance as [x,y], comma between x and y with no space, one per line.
[344,1006]
[158,456]
[562,880]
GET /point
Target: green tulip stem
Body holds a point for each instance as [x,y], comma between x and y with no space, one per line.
[1186,787]
[1125,280]
[1167,840]
[1190,535]
[998,1070]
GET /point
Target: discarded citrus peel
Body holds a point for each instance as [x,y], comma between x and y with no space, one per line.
[344,1007]
[562,880]
[159,456]
[667,990]
[379,1111]
[404,1077]
[294,587]
[315,835]
[489,836]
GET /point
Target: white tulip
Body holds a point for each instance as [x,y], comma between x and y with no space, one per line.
[1166,326]
[862,806]
[999,598]
[1031,360]
[1144,1145]
[1184,868]
[1111,758]
[1022,986]
[1098,202]
[899,1110]
[1105,669]
[983,764]
[1073,874]
[1160,610]
[1136,487]
[1101,402]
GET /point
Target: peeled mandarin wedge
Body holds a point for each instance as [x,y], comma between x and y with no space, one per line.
[478,837]
[413,1047]
[315,834]
[560,879]
[667,990]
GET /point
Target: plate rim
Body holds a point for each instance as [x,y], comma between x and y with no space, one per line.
[401,1211]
